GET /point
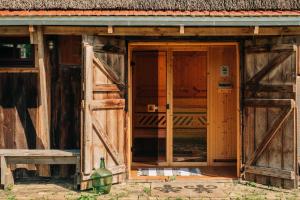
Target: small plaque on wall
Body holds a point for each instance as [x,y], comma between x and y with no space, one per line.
[224,71]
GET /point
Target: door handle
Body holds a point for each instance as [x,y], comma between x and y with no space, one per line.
[152,108]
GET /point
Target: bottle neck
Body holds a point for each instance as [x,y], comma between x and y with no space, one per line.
[102,163]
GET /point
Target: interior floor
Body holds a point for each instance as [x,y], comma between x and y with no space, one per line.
[219,172]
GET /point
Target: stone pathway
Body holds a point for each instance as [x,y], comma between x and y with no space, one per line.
[175,190]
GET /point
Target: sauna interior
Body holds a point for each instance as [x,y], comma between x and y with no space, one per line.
[20,101]
[185,106]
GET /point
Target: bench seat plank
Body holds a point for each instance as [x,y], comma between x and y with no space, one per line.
[39,152]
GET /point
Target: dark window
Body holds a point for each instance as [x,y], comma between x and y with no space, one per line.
[16,52]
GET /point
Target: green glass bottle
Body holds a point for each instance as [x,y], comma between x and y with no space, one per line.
[102,179]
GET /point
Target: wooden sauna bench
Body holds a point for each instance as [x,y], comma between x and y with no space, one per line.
[37,156]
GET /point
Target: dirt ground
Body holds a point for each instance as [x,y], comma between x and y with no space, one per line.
[172,190]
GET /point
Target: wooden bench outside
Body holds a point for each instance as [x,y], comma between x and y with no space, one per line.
[37,156]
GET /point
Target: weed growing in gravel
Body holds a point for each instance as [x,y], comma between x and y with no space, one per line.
[87,197]
[147,191]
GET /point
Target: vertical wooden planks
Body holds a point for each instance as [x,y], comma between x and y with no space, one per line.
[280,154]
[106,121]
[88,97]
[222,106]
[99,148]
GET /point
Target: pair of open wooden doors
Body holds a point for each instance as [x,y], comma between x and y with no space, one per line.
[266,150]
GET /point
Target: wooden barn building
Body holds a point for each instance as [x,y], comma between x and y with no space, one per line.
[207,86]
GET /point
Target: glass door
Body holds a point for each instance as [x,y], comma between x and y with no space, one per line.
[149,94]
[189,107]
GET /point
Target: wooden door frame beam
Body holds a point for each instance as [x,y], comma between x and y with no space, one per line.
[165,45]
[154,31]
[43,121]
[87,115]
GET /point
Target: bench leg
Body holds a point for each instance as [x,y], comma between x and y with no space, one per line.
[6,174]
[77,175]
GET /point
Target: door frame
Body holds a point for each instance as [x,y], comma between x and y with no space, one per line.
[179,46]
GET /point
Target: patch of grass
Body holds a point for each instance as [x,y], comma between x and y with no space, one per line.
[11,197]
[252,196]
[9,193]
[147,191]
[118,196]
[178,198]
[87,197]
[171,178]
[9,188]
[251,184]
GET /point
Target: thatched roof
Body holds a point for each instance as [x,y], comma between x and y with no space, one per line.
[179,5]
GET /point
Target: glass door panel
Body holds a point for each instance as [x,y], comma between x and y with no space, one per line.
[189,106]
[149,106]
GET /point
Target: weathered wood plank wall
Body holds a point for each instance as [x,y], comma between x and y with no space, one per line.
[270,74]
[65,61]
[18,111]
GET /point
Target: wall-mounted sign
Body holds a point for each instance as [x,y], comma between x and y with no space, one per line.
[224,71]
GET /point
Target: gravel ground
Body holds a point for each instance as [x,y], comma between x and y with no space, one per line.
[174,190]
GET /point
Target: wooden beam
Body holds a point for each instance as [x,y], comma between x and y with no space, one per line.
[117,169]
[107,104]
[106,142]
[269,102]
[172,31]
[270,135]
[14,31]
[39,152]
[256,30]
[106,88]
[270,48]
[154,31]
[269,67]
[88,98]
[265,171]
[44,160]
[33,35]
[272,88]
[110,30]
[181,30]
[44,131]
[19,70]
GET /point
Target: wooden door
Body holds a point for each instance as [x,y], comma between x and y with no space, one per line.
[103,133]
[189,107]
[269,114]
[149,78]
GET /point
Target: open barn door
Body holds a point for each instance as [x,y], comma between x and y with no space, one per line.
[103,109]
[269,113]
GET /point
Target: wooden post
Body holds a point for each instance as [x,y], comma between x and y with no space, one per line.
[43,134]
[88,98]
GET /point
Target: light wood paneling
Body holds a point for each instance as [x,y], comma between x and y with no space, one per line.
[222,105]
